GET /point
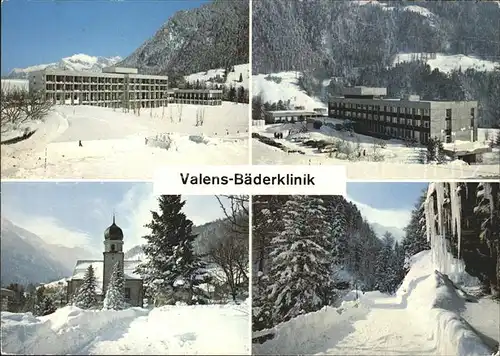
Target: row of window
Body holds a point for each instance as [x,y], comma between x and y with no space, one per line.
[63,78]
[105,87]
[398,132]
[382,108]
[383,118]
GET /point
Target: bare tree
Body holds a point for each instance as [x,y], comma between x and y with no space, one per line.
[200,116]
[20,107]
[238,205]
[230,253]
[180,107]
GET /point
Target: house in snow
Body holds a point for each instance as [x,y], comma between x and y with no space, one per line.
[113,253]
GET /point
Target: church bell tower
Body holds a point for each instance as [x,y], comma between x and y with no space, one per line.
[113,252]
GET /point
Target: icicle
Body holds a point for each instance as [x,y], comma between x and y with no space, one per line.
[456,213]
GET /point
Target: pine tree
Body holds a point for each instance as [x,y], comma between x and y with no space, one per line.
[415,239]
[336,216]
[231,94]
[384,271]
[38,302]
[240,95]
[115,293]
[241,78]
[300,274]
[47,306]
[86,296]
[171,266]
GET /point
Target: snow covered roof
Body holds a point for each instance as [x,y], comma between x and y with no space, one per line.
[98,265]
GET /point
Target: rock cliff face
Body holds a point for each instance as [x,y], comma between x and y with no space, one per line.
[214,35]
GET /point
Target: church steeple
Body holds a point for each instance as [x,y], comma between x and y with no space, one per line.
[113,232]
[113,250]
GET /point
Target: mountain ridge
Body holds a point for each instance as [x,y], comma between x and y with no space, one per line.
[77,62]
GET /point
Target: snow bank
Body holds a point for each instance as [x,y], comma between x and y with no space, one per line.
[306,334]
[175,330]
[433,299]
[66,331]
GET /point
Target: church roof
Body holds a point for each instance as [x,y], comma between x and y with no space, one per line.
[129,267]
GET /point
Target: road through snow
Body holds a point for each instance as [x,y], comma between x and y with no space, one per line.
[388,329]
[376,324]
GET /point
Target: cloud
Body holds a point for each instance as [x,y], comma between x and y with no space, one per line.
[385,217]
[53,231]
[134,211]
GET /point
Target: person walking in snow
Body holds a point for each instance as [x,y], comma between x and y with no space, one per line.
[80,143]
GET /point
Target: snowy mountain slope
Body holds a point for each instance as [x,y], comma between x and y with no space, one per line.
[283,86]
[76,62]
[380,230]
[22,259]
[27,258]
[421,319]
[214,35]
[448,62]
[232,80]
[9,85]
[185,330]
[205,234]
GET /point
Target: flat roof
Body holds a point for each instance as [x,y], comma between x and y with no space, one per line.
[99,74]
[177,90]
[291,112]
[362,90]
[395,100]
[124,70]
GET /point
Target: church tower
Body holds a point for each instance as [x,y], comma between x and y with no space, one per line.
[113,252]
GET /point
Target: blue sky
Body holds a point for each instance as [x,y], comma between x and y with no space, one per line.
[44,31]
[386,203]
[76,214]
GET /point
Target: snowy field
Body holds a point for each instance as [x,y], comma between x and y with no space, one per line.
[267,86]
[172,330]
[399,161]
[424,317]
[114,142]
[232,79]
[447,62]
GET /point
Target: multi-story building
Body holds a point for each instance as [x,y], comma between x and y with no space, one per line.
[114,87]
[195,96]
[408,118]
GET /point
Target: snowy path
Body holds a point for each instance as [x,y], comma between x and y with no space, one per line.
[377,325]
[388,329]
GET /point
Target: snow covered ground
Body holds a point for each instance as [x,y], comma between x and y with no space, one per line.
[169,330]
[283,86]
[114,142]
[399,161]
[423,318]
[448,62]
[231,80]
